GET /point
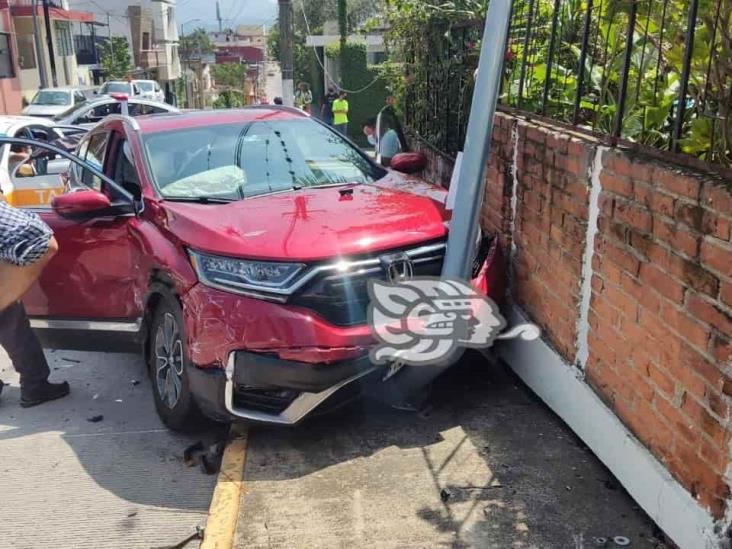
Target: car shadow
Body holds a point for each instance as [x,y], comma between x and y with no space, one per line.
[491,466]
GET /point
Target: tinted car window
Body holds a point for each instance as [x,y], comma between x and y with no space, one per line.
[116,87]
[95,155]
[247,159]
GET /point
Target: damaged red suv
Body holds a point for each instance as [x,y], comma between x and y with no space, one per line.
[234,248]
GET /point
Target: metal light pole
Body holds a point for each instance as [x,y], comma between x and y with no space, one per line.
[469,197]
[285,22]
[471,184]
[188,57]
[49,42]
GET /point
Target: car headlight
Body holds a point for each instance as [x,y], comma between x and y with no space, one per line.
[245,276]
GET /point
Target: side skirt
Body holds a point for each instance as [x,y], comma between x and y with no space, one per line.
[90,335]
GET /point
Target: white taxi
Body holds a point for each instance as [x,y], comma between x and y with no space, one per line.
[20,184]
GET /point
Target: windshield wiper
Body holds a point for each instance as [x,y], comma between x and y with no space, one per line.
[201,199]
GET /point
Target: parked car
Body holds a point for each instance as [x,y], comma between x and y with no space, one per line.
[50,102]
[31,191]
[234,248]
[90,113]
[150,89]
[119,86]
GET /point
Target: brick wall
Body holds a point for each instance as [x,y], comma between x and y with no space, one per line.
[660,317]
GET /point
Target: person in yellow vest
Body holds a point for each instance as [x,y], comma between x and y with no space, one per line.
[340,113]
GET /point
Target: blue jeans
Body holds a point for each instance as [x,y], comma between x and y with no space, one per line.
[342,128]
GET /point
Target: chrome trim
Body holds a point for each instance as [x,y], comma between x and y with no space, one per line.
[124,118]
[296,411]
[281,294]
[91,325]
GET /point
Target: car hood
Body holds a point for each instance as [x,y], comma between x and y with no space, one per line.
[44,110]
[313,224]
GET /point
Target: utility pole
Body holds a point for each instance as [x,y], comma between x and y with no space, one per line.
[285,22]
[218,15]
[39,46]
[49,43]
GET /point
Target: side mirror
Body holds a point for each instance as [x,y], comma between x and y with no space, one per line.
[80,204]
[409,162]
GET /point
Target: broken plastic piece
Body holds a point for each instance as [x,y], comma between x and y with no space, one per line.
[95,419]
[445,494]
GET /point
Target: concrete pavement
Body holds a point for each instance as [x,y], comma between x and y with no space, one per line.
[487,465]
[67,482]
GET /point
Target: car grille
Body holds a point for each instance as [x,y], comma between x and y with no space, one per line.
[342,298]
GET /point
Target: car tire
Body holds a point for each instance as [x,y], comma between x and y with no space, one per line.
[168,364]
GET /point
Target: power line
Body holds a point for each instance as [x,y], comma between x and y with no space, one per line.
[325,71]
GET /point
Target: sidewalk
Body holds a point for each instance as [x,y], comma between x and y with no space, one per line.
[488,466]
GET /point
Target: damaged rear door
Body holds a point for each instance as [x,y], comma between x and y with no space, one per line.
[90,295]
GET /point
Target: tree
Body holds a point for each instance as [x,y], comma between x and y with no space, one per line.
[229,75]
[342,28]
[115,59]
[197,42]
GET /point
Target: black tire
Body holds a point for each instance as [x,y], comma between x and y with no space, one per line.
[173,398]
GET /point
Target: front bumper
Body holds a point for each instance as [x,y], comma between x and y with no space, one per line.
[269,390]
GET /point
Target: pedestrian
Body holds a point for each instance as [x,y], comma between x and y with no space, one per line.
[303,97]
[340,113]
[387,146]
[277,101]
[326,109]
[26,246]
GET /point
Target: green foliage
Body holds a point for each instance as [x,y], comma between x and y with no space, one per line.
[115,59]
[229,75]
[437,56]
[355,76]
[229,99]
[196,43]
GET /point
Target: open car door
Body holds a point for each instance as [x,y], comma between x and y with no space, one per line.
[90,289]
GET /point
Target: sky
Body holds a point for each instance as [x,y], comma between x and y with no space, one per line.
[233,12]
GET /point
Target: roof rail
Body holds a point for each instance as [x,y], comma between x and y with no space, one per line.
[278,108]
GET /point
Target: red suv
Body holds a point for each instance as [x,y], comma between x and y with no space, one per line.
[234,247]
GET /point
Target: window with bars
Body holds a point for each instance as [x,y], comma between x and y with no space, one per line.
[64,43]
[6,59]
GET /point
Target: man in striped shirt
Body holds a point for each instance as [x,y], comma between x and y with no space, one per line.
[26,246]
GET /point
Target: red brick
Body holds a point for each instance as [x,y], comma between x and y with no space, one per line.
[665,285]
[716,458]
[616,184]
[717,255]
[692,274]
[662,203]
[716,225]
[722,349]
[717,197]
[634,215]
[689,214]
[719,404]
[675,237]
[712,427]
[600,350]
[725,293]
[681,424]
[625,304]
[622,258]
[711,314]
[677,183]
[691,330]
[661,380]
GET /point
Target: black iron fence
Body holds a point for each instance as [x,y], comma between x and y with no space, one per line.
[653,72]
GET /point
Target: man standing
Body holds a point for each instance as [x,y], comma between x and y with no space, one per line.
[26,246]
[340,113]
[326,109]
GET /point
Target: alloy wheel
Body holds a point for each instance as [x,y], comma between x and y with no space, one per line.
[168,361]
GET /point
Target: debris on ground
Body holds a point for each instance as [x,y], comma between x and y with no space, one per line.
[96,396]
[471,487]
[198,534]
[71,360]
[621,541]
[95,419]
[600,542]
[190,453]
[445,494]
[135,382]
[132,514]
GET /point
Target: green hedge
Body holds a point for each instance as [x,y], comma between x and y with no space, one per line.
[355,75]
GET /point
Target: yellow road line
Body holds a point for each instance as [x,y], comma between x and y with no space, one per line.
[224,511]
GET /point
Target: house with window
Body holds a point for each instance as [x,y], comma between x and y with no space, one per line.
[59,56]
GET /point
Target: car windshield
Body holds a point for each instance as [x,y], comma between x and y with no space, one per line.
[116,87]
[145,86]
[234,161]
[54,98]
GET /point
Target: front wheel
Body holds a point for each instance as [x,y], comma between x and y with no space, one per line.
[168,362]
